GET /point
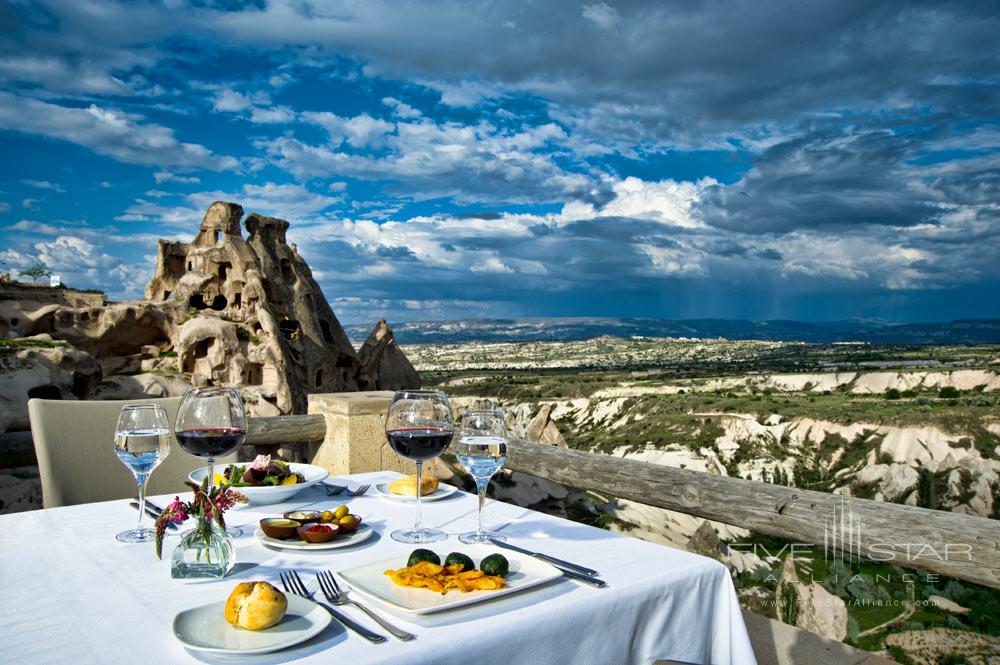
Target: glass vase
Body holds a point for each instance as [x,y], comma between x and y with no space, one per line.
[204,552]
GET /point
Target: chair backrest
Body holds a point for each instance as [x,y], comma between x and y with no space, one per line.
[76,458]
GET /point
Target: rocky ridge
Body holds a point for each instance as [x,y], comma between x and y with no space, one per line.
[220,310]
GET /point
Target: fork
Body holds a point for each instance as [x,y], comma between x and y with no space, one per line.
[328,584]
[334,490]
[293,584]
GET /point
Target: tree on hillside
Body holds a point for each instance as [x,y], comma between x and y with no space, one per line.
[36,271]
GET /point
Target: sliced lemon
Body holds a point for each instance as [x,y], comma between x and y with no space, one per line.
[290,480]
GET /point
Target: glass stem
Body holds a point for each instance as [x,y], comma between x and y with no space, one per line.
[141,481]
[417,525]
[211,473]
[482,485]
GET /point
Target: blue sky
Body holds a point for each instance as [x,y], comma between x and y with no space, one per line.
[440,160]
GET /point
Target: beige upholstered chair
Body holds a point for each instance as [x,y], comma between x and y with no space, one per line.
[76,458]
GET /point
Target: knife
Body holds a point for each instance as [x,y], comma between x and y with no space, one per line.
[154,513]
[586,579]
[566,565]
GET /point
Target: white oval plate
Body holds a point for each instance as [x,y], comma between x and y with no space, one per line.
[262,496]
[363,533]
[205,629]
[441,492]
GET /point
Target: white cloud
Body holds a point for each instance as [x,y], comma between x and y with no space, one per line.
[360,131]
[44,184]
[601,15]
[271,115]
[401,109]
[84,264]
[468,162]
[4,206]
[58,74]
[166,176]
[288,201]
[228,100]
[108,132]
[667,201]
[30,204]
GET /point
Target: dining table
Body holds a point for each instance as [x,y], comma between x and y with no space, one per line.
[72,594]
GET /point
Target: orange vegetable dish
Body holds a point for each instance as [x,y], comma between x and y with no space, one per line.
[427,575]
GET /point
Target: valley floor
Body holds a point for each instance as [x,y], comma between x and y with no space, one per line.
[910,424]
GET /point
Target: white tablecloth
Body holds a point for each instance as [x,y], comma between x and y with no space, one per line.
[72,594]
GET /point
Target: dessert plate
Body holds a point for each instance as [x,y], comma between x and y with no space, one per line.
[371,581]
[205,629]
[441,492]
[363,533]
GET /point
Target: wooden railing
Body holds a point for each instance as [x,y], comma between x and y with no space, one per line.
[952,544]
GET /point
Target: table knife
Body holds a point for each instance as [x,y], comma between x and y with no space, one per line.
[580,570]
[153,513]
[586,579]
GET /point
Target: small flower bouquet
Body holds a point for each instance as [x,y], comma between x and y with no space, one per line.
[208,506]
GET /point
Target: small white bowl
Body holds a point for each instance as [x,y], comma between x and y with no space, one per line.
[262,496]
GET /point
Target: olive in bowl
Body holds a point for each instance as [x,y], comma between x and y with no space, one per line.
[318,533]
[348,523]
[281,528]
[304,516]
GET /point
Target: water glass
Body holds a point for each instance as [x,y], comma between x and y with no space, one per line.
[142,441]
[482,451]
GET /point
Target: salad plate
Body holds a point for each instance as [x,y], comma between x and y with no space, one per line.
[205,629]
[371,581]
[261,495]
[363,533]
[443,490]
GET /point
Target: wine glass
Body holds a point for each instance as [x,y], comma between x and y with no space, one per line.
[211,422]
[142,441]
[419,428]
[482,450]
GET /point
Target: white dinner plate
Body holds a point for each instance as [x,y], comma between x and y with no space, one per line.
[364,532]
[441,492]
[371,581]
[205,629]
[262,496]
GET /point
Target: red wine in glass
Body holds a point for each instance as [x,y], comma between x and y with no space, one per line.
[211,442]
[419,427]
[419,444]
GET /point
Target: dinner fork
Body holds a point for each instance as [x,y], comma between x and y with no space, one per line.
[328,584]
[360,490]
[293,584]
[333,490]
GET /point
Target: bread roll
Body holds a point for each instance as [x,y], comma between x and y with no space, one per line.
[255,606]
[407,486]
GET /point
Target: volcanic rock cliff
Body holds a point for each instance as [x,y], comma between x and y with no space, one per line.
[219,310]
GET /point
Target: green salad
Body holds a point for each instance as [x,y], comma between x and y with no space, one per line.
[262,472]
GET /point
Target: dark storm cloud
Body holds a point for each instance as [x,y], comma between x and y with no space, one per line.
[829,178]
[662,72]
